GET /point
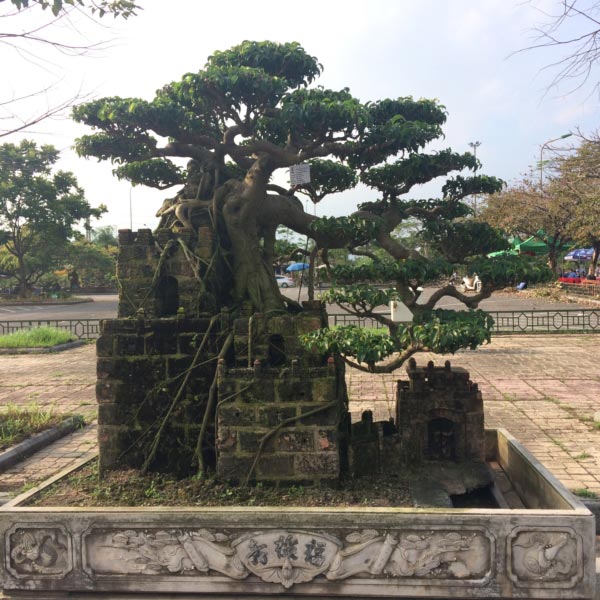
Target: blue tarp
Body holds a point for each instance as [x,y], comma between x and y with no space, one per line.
[297,267]
[580,254]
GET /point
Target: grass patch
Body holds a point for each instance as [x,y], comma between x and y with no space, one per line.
[40,337]
[17,423]
[582,456]
[585,493]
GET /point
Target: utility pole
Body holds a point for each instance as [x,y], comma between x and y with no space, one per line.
[130,210]
[475,145]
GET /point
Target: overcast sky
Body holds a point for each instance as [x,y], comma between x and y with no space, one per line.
[458,51]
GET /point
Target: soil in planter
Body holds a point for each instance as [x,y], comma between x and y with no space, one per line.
[131,488]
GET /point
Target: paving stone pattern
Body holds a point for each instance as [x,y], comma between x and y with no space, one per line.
[65,382]
[543,389]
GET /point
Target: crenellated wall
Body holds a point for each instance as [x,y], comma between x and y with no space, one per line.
[440,415]
[282,412]
[165,271]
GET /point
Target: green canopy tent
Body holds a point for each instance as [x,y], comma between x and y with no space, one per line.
[535,245]
[510,252]
[532,246]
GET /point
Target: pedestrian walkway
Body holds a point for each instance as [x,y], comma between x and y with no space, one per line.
[544,389]
[64,382]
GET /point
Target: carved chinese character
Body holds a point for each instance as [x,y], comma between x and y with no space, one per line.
[285,547]
[315,553]
[257,554]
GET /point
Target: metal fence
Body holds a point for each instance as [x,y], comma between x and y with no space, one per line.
[547,321]
[84,329]
[514,321]
[586,290]
[505,321]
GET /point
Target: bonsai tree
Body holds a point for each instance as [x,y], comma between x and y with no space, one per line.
[252,112]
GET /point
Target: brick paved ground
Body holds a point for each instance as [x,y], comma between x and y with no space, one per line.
[65,382]
[543,389]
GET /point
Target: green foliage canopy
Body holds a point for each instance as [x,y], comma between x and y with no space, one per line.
[255,109]
[39,210]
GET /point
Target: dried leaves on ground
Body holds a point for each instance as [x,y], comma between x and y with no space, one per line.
[132,488]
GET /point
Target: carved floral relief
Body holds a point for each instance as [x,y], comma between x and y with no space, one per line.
[289,557]
[39,552]
[545,556]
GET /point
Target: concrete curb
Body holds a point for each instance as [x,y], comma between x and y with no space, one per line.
[594,507]
[38,303]
[49,350]
[30,446]
[40,487]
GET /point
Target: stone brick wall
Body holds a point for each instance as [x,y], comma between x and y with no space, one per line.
[268,385]
[141,365]
[148,280]
[255,403]
[263,398]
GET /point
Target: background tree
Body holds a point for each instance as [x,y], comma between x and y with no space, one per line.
[38,39]
[524,210]
[573,27]
[578,185]
[39,211]
[90,263]
[104,237]
[251,112]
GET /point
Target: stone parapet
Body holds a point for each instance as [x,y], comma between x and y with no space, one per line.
[165,272]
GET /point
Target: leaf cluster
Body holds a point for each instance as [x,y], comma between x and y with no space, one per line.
[440,331]
[399,177]
[503,271]
[405,272]
[360,294]
[357,229]
[117,8]
[328,177]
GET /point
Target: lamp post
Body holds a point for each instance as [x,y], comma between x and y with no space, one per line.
[475,145]
[544,145]
[130,210]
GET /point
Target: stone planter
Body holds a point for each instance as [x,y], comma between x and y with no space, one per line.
[545,551]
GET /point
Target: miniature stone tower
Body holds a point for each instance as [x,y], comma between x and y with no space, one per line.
[439,415]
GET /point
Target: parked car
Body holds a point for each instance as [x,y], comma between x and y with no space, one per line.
[284,282]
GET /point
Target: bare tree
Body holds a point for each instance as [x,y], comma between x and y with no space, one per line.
[32,44]
[574,28]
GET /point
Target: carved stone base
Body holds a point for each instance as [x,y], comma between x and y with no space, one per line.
[268,552]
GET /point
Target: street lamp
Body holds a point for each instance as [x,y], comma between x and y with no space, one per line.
[130,210]
[562,137]
[475,145]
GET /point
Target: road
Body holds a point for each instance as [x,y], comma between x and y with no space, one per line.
[101,307]
[499,301]
[105,306]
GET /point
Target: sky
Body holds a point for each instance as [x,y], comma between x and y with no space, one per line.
[465,53]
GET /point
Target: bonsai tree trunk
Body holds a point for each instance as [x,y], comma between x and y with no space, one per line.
[253,275]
